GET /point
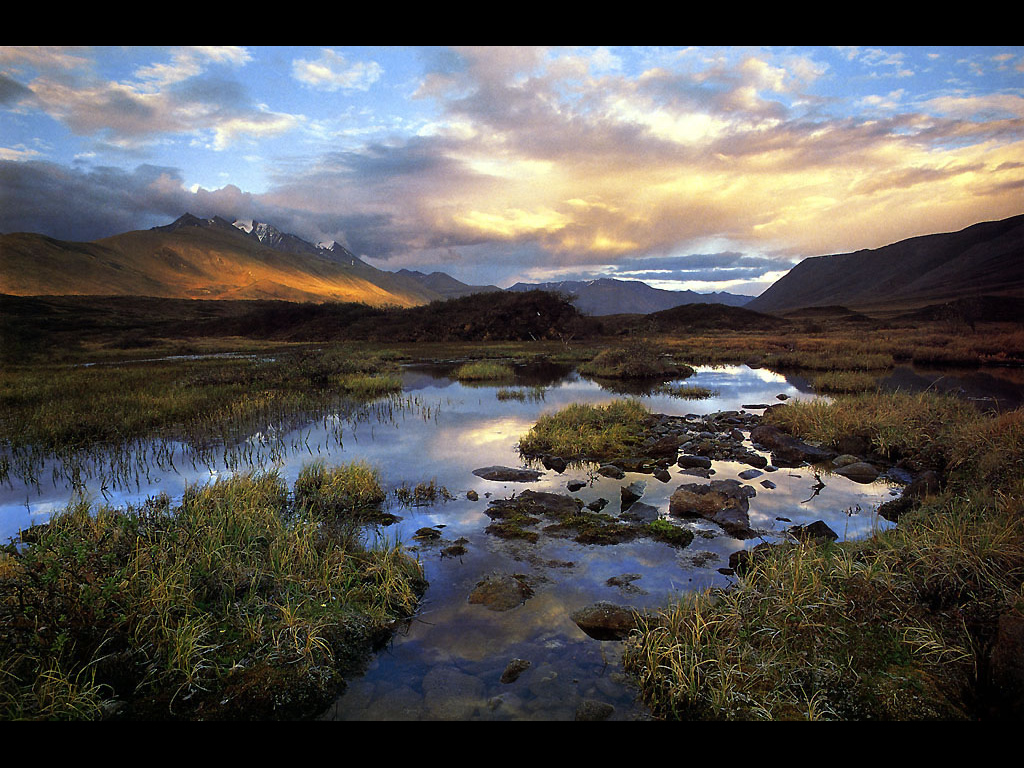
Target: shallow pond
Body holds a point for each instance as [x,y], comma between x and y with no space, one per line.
[448,662]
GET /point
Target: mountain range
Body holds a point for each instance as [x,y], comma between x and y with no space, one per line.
[215,258]
[218,259]
[608,296]
[985,259]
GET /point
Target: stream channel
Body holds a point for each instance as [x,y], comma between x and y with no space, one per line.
[447,663]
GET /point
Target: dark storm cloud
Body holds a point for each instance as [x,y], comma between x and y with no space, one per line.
[71,204]
[11,91]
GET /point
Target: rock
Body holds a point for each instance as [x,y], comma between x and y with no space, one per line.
[740,562]
[859,472]
[535,503]
[594,711]
[663,475]
[694,462]
[631,493]
[816,530]
[750,474]
[768,484]
[597,505]
[513,670]
[786,450]
[753,459]
[508,474]
[612,471]
[555,463]
[473,496]
[501,592]
[639,512]
[844,460]
[722,501]
[606,621]
[665,447]
[451,694]
[575,485]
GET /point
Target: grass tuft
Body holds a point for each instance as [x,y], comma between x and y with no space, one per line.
[583,431]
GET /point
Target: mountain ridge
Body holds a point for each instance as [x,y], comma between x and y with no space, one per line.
[986,258]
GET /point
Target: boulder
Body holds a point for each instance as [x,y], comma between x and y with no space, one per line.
[631,493]
[818,530]
[858,471]
[786,450]
[639,512]
[724,502]
[612,471]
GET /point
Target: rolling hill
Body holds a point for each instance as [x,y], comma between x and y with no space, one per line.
[985,259]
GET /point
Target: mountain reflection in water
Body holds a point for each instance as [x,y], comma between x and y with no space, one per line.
[447,663]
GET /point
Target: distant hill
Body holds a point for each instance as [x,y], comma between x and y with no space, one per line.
[985,259]
[445,285]
[608,296]
[201,258]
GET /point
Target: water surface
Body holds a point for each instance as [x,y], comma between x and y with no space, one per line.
[447,663]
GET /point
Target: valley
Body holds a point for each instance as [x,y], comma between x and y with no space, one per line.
[127,416]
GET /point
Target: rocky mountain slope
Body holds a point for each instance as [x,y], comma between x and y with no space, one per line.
[200,258]
[985,259]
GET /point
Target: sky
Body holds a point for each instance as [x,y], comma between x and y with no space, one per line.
[701,168]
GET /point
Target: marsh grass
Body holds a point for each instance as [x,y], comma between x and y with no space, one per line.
[811,632]
[636,359]
[533,394]
[584,431]
[844,382]
[685,391]
[240,602]
[919,427]
[487,371]
[125,417]
[895,626]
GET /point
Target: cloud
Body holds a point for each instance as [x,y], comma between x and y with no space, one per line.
[176,98]
[332,72]
[557,160]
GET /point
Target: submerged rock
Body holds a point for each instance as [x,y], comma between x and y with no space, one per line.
[501,592]
[606,621]
[513,670]
[508,474]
